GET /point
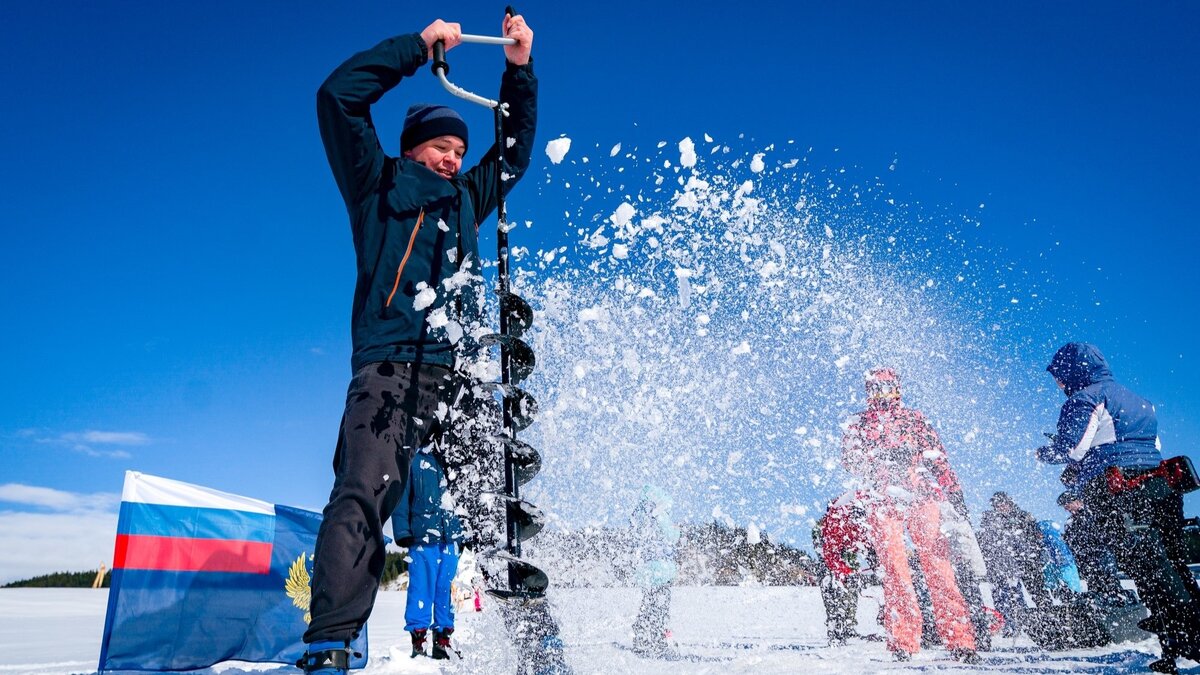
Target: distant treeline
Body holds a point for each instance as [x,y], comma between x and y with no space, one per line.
[60,580]
[713,554]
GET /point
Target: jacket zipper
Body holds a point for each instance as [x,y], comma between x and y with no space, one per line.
[404,260]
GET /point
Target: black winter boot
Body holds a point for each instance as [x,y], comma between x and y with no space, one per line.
[1164,665]
[441,643]
[967,656]
[325,658]
[418,642]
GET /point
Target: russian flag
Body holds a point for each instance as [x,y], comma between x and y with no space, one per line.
[201,576]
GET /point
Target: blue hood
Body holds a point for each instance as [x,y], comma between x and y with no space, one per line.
[1077,365]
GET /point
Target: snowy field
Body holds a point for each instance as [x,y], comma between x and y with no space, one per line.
[726,630]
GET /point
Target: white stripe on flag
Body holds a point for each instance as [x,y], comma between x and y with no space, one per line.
[146,489]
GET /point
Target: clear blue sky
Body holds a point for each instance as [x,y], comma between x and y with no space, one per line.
[177,268]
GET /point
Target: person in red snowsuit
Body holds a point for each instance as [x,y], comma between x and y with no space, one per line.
[899,457]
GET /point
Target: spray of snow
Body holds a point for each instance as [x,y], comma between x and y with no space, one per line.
[721,307]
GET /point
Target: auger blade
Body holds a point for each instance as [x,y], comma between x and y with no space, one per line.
[521,360]
[526,461]
[518,314]
[517,597]
[529,519]
[524,406]
[526,580]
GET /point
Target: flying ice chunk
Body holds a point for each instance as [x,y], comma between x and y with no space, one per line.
[685,286]
[438,318]
[597,240]
[593,314]
[623,214]
[687,152]
[615,149]
[756,163]
[463,277]
[743,348]
[769,269]
[620,251]
[753,534]
[557,149]
[425,296]
[841,362]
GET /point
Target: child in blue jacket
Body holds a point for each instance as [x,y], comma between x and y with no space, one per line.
[425,523]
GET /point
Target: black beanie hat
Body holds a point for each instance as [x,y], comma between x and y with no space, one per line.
[426,120]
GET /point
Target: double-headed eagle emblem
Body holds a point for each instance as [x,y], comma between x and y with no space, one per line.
[299,585]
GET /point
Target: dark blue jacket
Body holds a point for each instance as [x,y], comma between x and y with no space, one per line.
[410,225]
[1102,424]
[421,514]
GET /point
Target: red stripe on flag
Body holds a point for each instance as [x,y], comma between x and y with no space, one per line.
[179,554]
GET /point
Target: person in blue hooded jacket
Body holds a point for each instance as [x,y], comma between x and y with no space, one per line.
[1102,426]
[655,536]
[424,522]
[414,222]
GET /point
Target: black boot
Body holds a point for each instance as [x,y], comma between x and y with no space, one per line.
[967,656]
[441,644]
[1164,665]
[325,658]
[418,642]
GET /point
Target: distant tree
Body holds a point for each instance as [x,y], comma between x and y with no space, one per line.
[394,564]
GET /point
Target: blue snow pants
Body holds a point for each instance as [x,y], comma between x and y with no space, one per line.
[430,572]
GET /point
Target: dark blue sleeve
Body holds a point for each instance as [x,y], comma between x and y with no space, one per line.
[401,517]
[1073,422]
[344,111]
[518,88]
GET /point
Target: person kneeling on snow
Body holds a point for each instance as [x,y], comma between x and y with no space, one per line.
[426,525]
[841,539]
[1012,546]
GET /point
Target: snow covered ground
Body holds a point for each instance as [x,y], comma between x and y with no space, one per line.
[727,630]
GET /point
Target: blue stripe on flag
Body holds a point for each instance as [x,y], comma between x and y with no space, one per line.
[162,520]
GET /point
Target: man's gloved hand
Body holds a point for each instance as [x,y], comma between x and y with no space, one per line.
[406,542]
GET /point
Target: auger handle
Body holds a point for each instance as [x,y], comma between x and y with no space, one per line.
[441,68]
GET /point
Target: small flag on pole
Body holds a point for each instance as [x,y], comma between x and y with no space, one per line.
[201,576]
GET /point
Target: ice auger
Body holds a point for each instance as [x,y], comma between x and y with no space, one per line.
[521,461]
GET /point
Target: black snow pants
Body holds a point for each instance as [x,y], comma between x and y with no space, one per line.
[650,627]
[841,607]
[1144,528]
[1096,562]
[390,412]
